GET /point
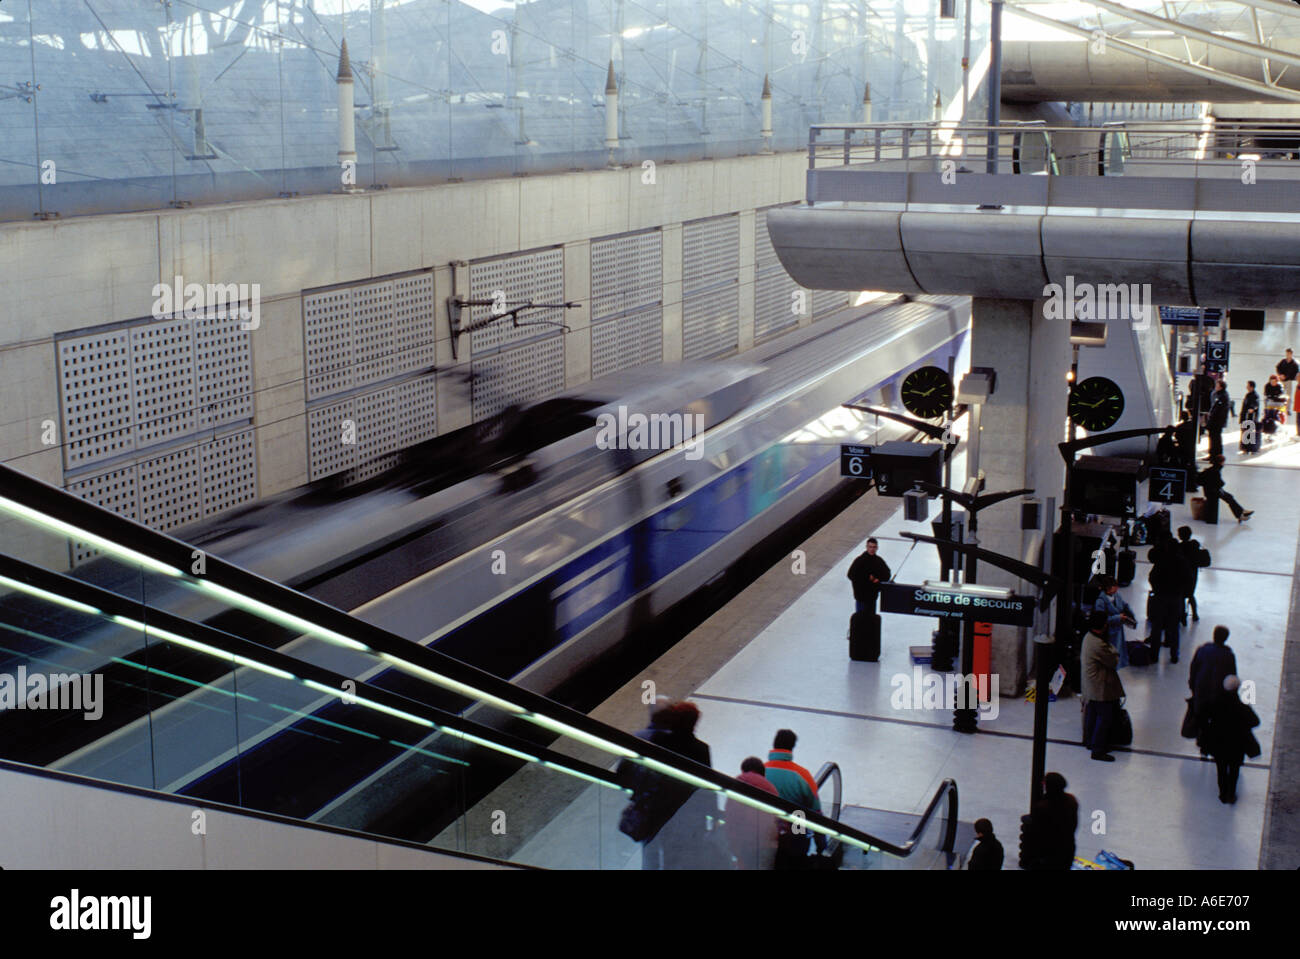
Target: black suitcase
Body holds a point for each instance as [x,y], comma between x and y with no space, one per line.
[864,637]
[1126,567]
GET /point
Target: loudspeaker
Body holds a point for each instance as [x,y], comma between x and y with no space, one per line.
[916,506]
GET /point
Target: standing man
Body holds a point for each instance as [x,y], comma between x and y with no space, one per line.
[796,784]
[1185,438]
[866,574]
[1287,369]
[1102,689]
[1217,419]
[1169,581]
[1250,414]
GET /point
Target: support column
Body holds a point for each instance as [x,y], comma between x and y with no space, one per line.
[1021,424]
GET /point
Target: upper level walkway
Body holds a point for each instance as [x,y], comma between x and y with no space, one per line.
[1208,215]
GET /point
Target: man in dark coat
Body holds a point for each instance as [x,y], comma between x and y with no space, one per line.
[1218,418]
[866,574]
[987,854]
[1213,663]
[1196,559]
[1212,480]
[1052,822]
[1169,581]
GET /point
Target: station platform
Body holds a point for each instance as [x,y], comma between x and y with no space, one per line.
[777,657]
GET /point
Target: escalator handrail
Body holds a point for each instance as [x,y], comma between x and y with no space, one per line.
[111,604]
[171,556]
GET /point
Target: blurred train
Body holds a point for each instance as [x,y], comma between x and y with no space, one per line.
[535,550]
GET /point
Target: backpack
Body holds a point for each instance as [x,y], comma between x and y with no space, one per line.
[1202,557]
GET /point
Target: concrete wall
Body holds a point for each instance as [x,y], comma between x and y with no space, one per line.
[61,276]
[54,823]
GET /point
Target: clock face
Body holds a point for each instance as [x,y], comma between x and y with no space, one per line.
[927,392]
[1096,404]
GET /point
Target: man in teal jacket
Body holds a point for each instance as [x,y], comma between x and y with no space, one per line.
[795,783]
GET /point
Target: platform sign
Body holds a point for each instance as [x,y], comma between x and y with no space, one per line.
[956,603]
[1216,356]
[1190,315]
[855,461]
[1167,485]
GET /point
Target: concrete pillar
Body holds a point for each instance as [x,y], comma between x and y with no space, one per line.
[1021,425]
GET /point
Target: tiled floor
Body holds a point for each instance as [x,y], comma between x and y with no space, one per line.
[1157,805]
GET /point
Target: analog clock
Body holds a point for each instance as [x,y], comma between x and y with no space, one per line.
[1096,404]
[927,392]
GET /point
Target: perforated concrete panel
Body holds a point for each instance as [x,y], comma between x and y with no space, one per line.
[417,411]
[223,363]
[631,340]
[626,273]
[827,301]
[327,338]
[710,253]
[376,424]
[710,287]
[711,324]
[95,391]
[413,315]
[162,381]
[372,331]
[531,372]
[228,466]
[116,491]
[774,304]
[528,277]
[170,488]
[327,446]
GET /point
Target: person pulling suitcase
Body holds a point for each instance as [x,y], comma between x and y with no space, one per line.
[866,573]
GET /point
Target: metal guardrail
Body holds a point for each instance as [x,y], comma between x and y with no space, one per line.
[1195,165]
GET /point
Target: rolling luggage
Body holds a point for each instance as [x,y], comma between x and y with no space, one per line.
[1126,567]
[864,637]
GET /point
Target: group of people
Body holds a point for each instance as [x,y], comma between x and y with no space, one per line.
[1049,832]
[679,826]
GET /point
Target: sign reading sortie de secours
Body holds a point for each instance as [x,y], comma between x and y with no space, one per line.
[956,603]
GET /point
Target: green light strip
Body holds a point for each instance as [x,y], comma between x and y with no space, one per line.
[201,647]
[67,529]
[350,699]
[279,616]
[50,597]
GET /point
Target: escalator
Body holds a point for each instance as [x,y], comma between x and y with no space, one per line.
[306,712]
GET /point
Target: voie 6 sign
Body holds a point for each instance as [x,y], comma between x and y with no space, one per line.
[855,461]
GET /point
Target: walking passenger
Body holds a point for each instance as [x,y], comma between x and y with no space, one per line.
[796,784]
[752,834]
[1052,823]
[986,855]
[1212,480]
